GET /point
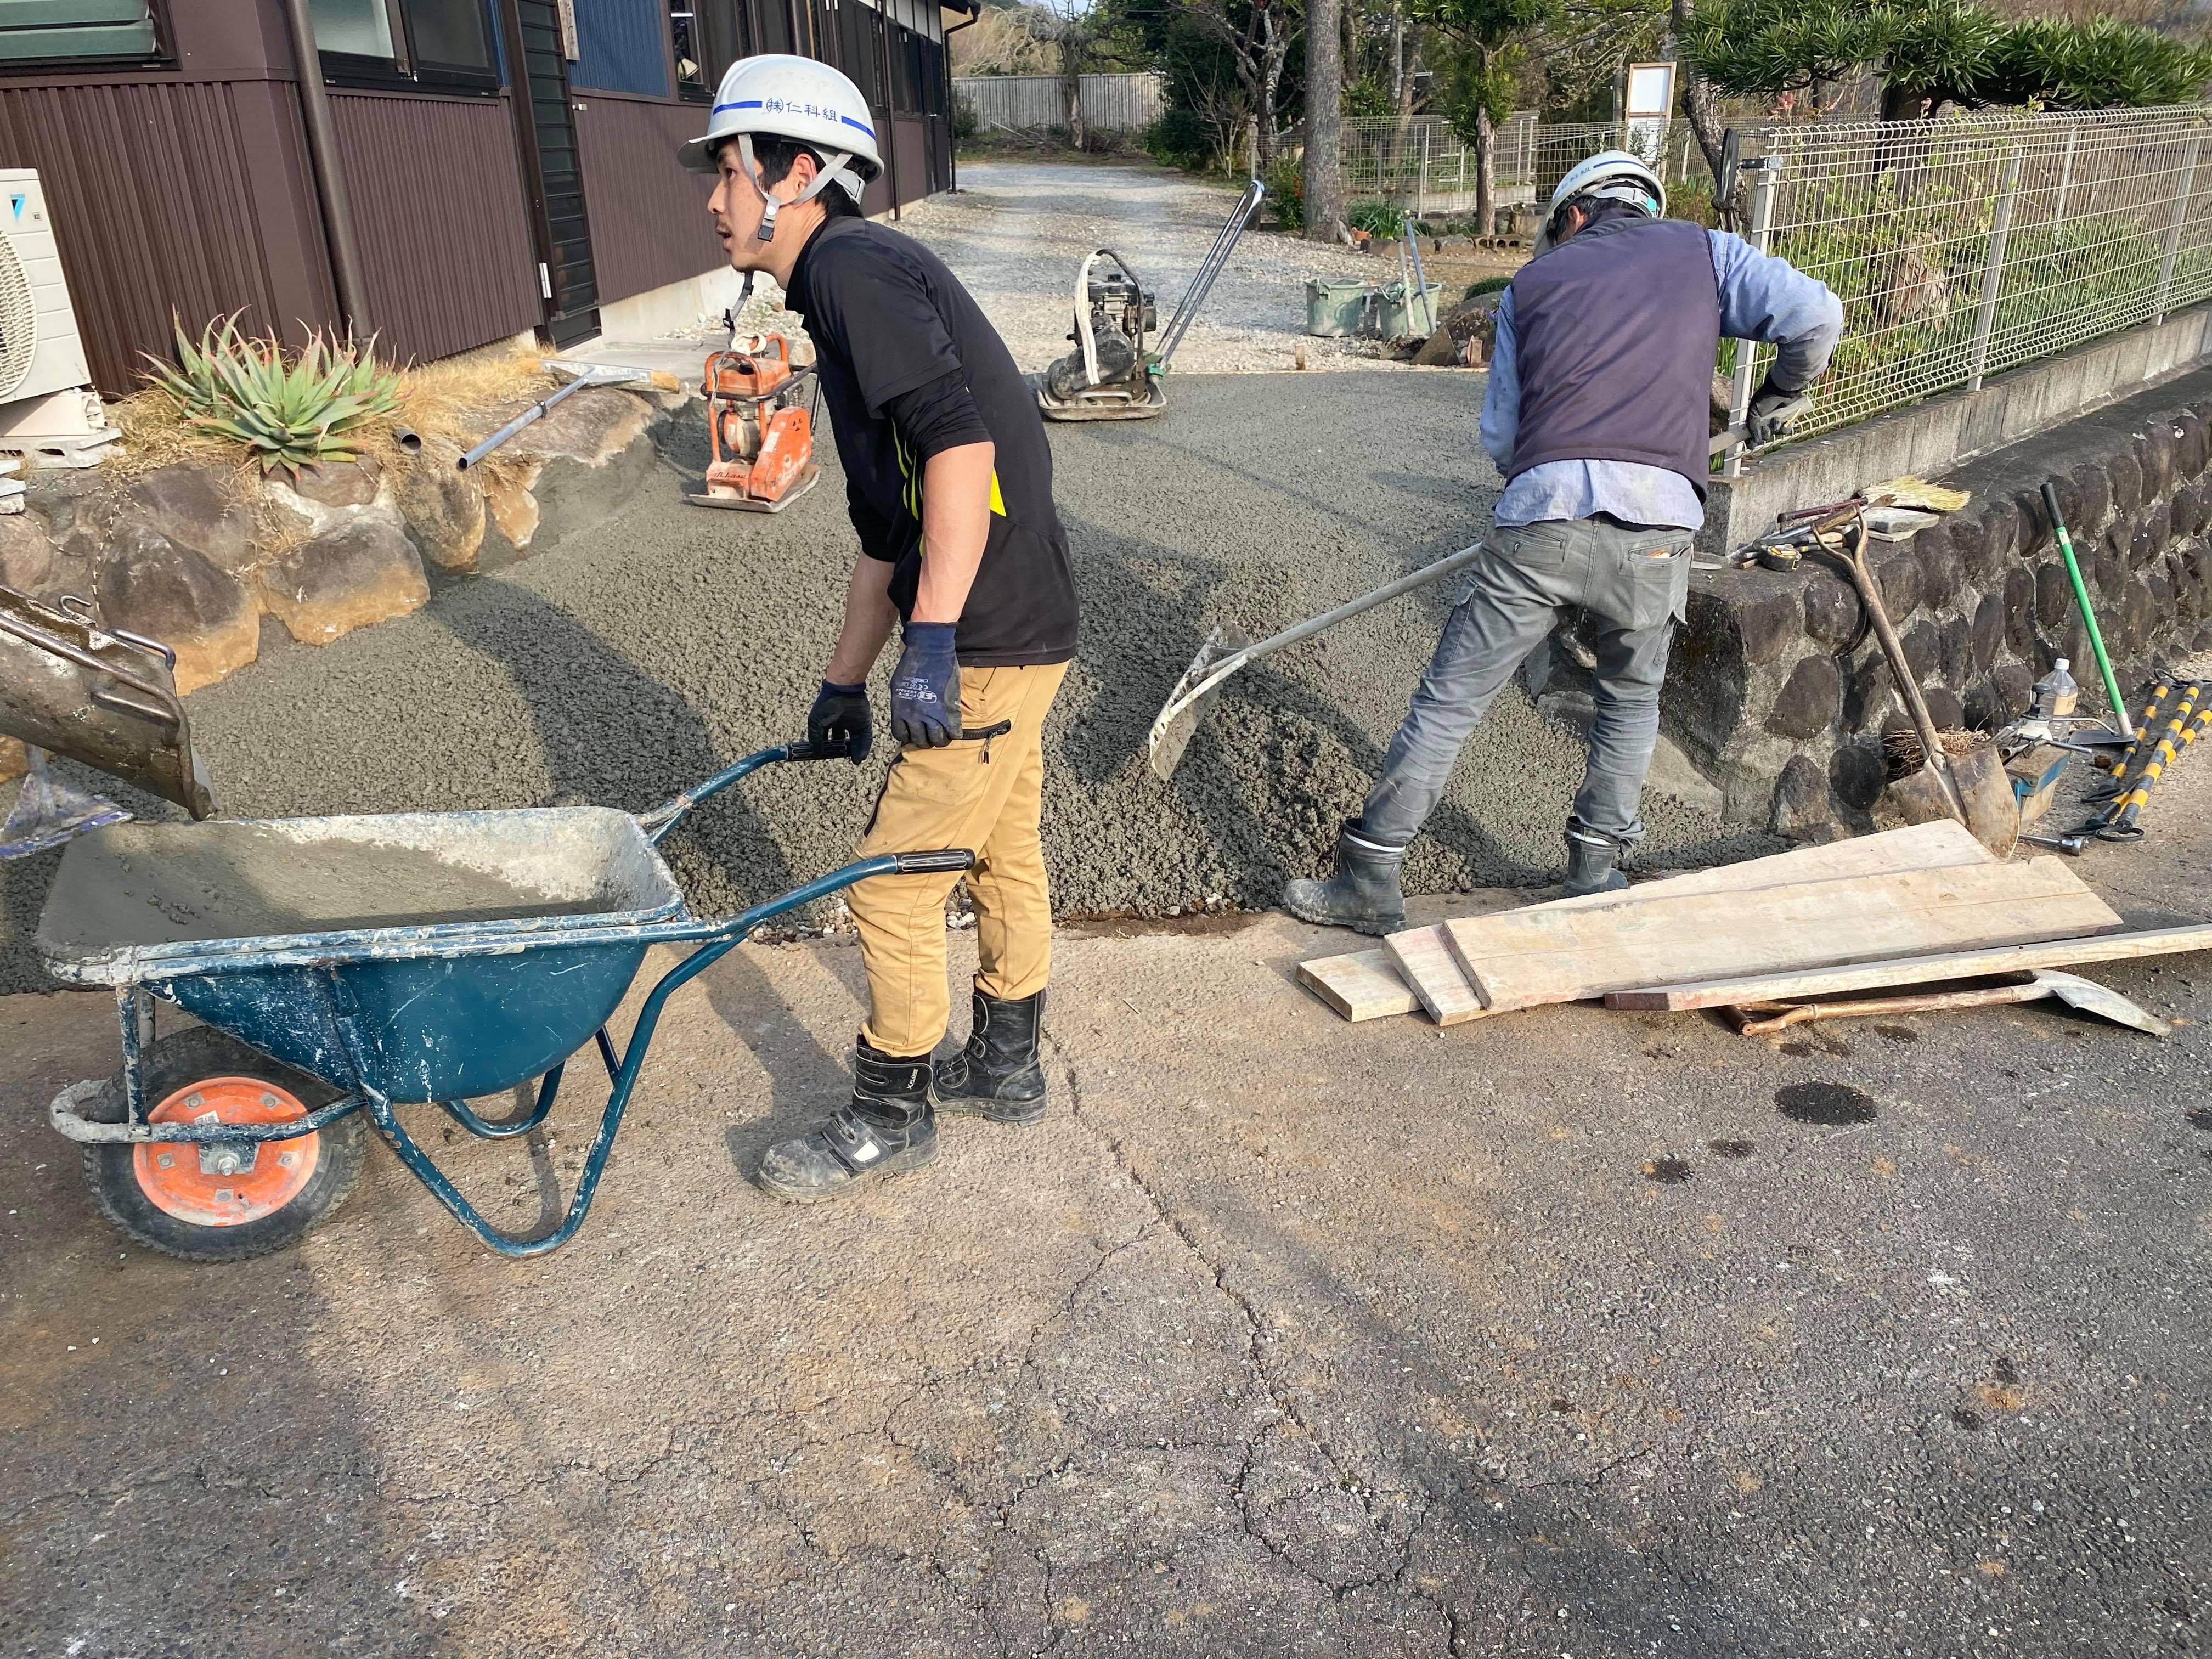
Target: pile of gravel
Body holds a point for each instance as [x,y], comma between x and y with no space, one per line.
[639,658]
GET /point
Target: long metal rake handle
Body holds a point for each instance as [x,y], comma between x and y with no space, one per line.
[1236,659]
[1210,269]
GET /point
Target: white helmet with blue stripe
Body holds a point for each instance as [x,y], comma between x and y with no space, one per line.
[779,96]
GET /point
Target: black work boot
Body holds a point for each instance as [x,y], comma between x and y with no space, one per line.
[1363,895]
[997,1075]
[888,1128]
[1590,858]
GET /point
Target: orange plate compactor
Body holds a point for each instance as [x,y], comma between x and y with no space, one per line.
[760,436]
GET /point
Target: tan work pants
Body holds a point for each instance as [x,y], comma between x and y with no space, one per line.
[983,794]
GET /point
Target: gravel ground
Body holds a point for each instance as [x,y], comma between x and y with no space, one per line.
[1016,231]
[633,660]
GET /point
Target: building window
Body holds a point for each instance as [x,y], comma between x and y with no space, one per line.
[708,36]
[33,31]
[420,42]
[687,32]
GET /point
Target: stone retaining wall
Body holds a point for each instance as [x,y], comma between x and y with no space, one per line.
[1777,700]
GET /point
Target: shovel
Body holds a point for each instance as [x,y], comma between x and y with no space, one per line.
[1758,1018]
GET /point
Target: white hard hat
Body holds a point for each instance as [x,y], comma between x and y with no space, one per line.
[1615,175]
[779,96]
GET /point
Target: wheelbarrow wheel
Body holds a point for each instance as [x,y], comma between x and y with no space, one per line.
[162,1196]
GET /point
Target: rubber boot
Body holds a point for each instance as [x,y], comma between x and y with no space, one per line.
[1363,895]
[888,1128]
[1590,859]
[997,1075]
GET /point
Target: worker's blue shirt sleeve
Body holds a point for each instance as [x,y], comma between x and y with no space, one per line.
[1770,300]
[1501,403]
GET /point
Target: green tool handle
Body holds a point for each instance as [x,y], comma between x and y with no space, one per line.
[2088,613]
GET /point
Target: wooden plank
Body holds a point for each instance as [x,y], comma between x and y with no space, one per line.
[1916,970]
[1424,958]
[1525,957]
[1359,985]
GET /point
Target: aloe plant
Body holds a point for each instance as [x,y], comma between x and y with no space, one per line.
[289,414]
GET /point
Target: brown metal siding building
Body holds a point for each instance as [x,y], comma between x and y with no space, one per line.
[172,142]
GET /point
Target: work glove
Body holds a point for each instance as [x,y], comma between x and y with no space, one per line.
[840,714]
[1767,419]
[926,688]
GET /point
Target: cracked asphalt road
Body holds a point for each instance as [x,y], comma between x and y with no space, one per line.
[1567,1333]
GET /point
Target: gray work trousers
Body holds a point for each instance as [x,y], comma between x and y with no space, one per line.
[1634,579]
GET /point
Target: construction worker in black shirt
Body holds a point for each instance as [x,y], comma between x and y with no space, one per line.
[949,482]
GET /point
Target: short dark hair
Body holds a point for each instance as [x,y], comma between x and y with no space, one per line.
[775,157]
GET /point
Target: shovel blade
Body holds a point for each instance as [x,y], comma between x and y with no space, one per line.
[1992,810]
[2103,1001]
[49,812]
[1177,721]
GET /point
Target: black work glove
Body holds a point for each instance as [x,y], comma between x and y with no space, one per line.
[840,714]
[926,688]
[1771,413]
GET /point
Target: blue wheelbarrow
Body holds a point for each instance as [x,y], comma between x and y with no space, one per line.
[344,966]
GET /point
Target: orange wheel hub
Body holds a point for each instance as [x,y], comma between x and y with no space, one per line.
[218,1190]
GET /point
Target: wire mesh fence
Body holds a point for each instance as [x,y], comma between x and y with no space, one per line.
[1972,245]
[1422,165]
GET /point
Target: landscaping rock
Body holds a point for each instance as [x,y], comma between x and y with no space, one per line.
[27,556]
[2054,595]
[1808,702]
[194,505]
[1802,810]
[585,459]
[1940,573]
[2015,690]
[1988,632]
[2093,498]
[1954,651]
[1831,608]
[362,572]
[153,585]
[15,760]
[2021,591]
[443,509]
[1897,576]
[1769,620]
[2126,473]
[344,484]
[1473,321]
[1944,708]
[1921,643]
[513,510]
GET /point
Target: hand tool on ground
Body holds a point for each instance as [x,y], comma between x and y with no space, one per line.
[2089,612]
[1421,308]
[538,410]
[1972,788]
[1109,376]
[233,1138]
[1228,648]
[2140,746]
[1759,1019]
[2070,845]
[759,425]
[102,696]
[2181,730]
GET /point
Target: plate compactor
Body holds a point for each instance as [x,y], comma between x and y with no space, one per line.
[1109,376]
[760,433]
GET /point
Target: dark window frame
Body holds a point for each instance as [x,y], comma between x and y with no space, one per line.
[405,72]
[164,55]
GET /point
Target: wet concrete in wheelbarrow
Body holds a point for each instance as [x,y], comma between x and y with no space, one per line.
[630,662]
[1566,1332]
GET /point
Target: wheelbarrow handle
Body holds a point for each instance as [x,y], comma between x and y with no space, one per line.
[658,822]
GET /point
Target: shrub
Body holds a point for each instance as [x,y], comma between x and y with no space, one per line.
[235,386]
[1177,138]
[1378,219]
[1287,189]
[1487,285]
[966,123]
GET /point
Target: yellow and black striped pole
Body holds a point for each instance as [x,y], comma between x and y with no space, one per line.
[2115,786]
[2119,823]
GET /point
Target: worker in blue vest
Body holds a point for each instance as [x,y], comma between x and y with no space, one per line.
[1598,414]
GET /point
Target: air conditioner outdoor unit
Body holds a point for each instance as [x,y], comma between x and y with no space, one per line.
[48,412]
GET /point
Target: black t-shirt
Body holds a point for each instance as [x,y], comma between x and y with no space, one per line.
[889,320]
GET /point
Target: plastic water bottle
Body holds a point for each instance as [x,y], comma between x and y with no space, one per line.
[2055,694]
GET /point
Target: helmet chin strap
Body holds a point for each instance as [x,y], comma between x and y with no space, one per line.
[833,172]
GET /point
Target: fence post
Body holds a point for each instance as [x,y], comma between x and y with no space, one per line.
[1766,173]
[2065,176]
[2173,231]
[1421,190]
[1993,270]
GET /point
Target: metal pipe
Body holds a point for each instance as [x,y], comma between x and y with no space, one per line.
[330,177]
[1993,272]
[1210,268]
[536,411]
[1766,170]
[2173,231]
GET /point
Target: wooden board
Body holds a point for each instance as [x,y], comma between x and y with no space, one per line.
[1524,959]
[1424,960]
[1359,985]
[1918,971]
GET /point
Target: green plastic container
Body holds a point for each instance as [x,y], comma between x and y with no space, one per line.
[1335,306]
[1408,315]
